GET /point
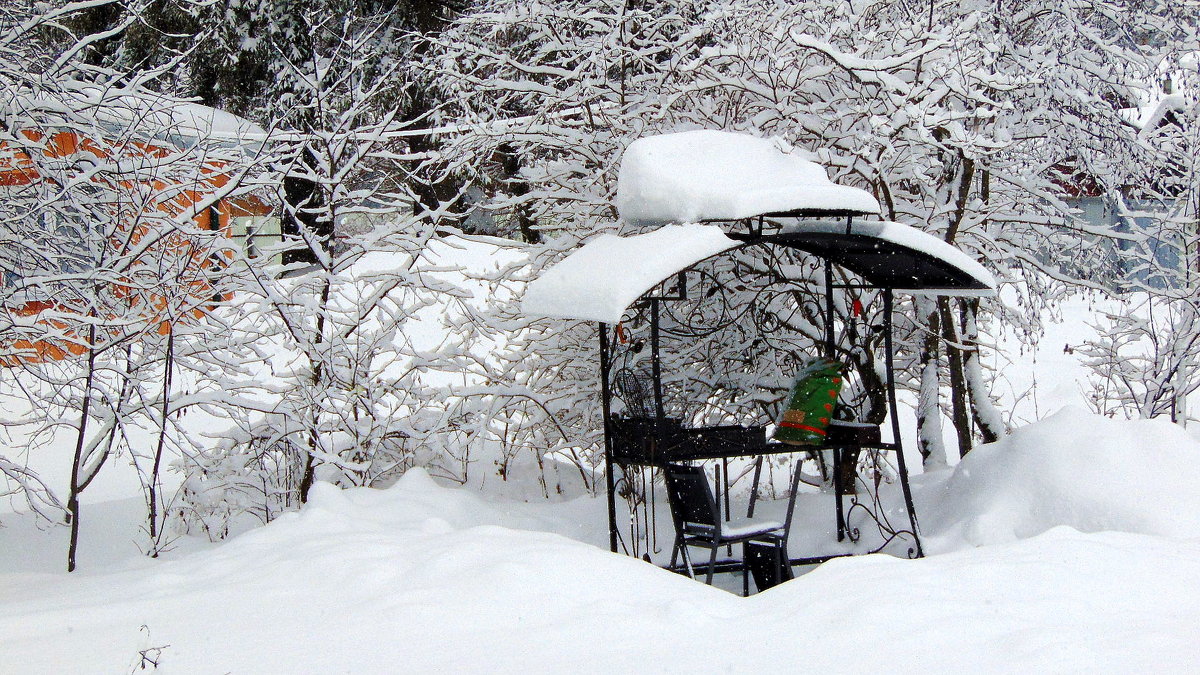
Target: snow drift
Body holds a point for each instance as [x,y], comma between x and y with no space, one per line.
[421,578]
[1073,469]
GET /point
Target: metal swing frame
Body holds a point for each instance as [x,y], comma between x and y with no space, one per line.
[655,442]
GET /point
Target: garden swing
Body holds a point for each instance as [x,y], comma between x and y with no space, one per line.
[745,244]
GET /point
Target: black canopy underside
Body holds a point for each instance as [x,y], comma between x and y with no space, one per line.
[880,263]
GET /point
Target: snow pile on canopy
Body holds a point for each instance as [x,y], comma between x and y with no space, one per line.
[429,579]
[704,175]
[598,281]
[1084,471]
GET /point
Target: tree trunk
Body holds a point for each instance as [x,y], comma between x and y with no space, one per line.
[987,417]
[518,187]
[76,484]
[929,416]
[73,517]
[949,332]
[162,437]
[308,476]
[303,197]
[959,413]
[438,193]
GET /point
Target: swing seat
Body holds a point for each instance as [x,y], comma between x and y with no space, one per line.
[853,434]
[656,442]
[645,440]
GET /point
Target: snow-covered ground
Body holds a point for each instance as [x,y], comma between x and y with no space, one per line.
[421,577]
[1068,546]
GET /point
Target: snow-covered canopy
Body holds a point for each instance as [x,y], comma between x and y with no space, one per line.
[704,175]
[601,279]
[891,255]
[606,275]
[715,175]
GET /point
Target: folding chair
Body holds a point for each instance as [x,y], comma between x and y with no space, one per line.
[699,522]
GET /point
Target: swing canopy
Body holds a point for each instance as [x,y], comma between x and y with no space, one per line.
[694,196]
[602,278]
[684,182]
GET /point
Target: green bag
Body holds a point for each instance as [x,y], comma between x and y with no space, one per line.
[810,406]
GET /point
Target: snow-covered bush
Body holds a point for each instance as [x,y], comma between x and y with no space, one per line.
[1144,360]
[110,239]
[372,351]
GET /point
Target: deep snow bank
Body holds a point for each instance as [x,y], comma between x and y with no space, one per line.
[419,578]
[1073,469]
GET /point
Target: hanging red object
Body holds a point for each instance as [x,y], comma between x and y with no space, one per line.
[856,309]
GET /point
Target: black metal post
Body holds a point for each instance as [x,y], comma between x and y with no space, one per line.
[891,386]
[758,462]
[829,309]
[606,407]
[655,366]
[725,470]
[829,353]
[839,504]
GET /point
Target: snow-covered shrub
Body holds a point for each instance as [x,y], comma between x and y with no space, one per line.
[255,476]
[1144,362]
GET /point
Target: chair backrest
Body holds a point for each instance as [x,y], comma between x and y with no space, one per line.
[691,497]
[768,563]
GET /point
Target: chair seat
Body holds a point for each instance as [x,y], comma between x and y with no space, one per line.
[740,528]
